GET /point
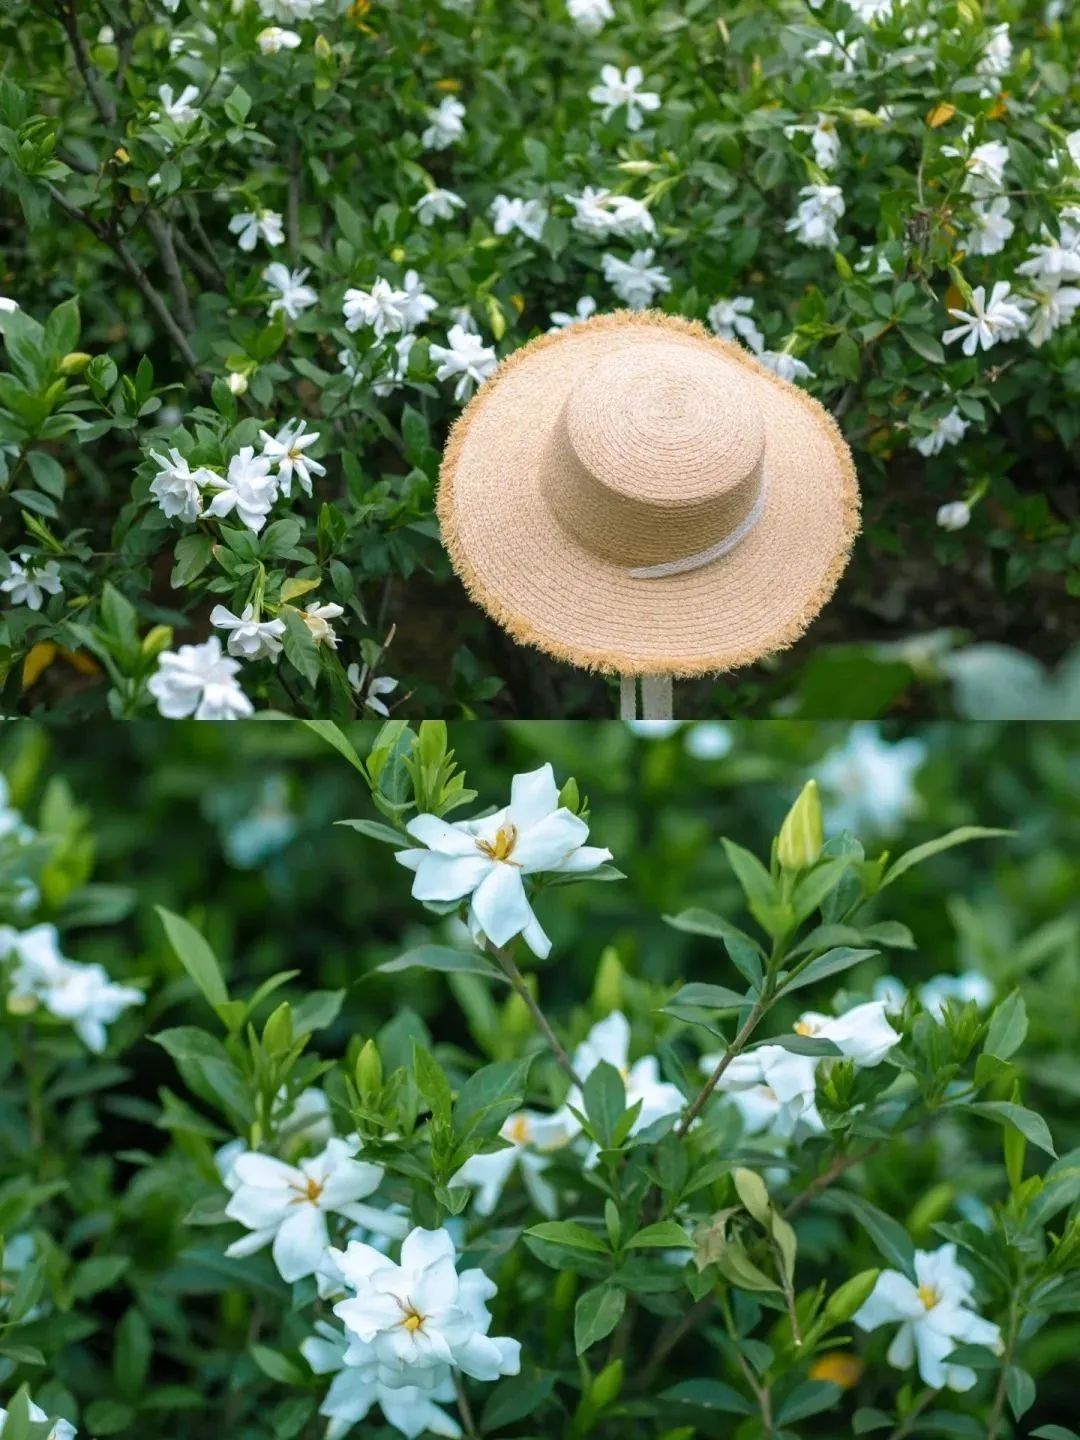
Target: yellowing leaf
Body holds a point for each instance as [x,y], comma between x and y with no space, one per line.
[293,589]
[941,114]
[38,660]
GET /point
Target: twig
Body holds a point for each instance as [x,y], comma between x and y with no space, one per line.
[464,1409]
[904,1428]
[505,958]
[668,1339]
[102,102]
[839,1166]
[734,1049]
[162,231]
[997,1410]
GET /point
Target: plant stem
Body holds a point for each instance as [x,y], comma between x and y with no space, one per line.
[504,956]
[997,1410]
[734,1049]
[464,1409]
[839,1166]
[668,1339]
[904,1428]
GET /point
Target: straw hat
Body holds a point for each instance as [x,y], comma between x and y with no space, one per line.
[633,495]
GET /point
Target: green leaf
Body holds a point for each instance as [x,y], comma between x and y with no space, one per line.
[808,1399]
[831,963]
[336,737]
[1020,1389]
[604,1095]
[758,886]
[1053,1432]
[238,105]
[376,830]
[696,921]
[492,1089]
[709,1395]
[569,1233]
[801,1044]
[820,882]
[596,1314]
[62,329]
[190,559]
[514,1399]
[108,1417]
[301,650]
[890,1237]
[277,1366]
[664,1234]
[709,997]
[131,1354]
[1032,1126]
[196,957]
[444,960]
[1008,1027]
[935,847]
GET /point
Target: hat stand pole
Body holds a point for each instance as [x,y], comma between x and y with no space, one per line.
[656,697]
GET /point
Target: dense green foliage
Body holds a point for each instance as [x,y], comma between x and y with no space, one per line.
[127,1317]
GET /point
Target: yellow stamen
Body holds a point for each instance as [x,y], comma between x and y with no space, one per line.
[502,847]
[803,1027]
[413,1321]
[929,1296]
[517,1130]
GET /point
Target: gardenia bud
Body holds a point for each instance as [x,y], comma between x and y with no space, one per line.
[843,1303]
[157,640]
[237,382]
[955,515]
[801,836]
[369,1074]
[323,48]
[75,362]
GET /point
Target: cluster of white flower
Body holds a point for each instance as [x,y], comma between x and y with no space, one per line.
[29,580]
[532,1137]
[731,319]
[869,783]
[250,486]
[408,1324]
[81,994]
[774,1089]
[485,860]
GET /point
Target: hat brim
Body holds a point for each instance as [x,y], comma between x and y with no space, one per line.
[549,591]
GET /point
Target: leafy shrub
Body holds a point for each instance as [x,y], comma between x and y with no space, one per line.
[769,1160]
[306,231]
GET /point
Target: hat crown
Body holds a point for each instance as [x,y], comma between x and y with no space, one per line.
[658,454]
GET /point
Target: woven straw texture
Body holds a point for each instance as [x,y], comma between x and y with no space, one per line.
[636,439]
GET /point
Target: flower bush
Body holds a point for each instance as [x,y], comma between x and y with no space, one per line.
[258,255]
[773,1167]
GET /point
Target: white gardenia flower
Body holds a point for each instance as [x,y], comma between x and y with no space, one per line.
[997,53]
[7,305]
[617,89]
[371,689]
[784,364]
[317,618]
[178,109]
[862,1034]
[1051,308]
[583,310]
[731,318]
[992,227]
[351,1395]
[1056,258]
[823,138]
[199,681]
[61,1430]
[933,1315]
[954,515]
[601,213]
[610,1040]
[848,53]
[814,223]
[176,487]
[285,1206]
[437,205]
[251,225]
[249,639]
[274,39]
[288,9]
[237,382]
[305,1124]
[985,166]
[393,377]
[466,357]
[29,580]
[531,1136]
[772,1088]
[484,860]
[247,487]
[81,994]
[590,15]
[418,304]
[285,451]
[408,1321]
[999,318]
[971,986]
[870,10]
[949,429]
[868,783]
[636,281]
[509,213]
[382,308]
[447,124]
[293,297]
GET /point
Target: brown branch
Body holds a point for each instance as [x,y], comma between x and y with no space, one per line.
[103,103]
[839,1166]
[162,231]
[734,1049]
